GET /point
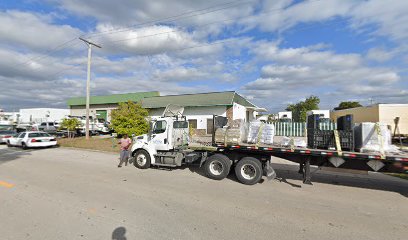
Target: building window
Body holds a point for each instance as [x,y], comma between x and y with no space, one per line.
[210,125]
[192,123]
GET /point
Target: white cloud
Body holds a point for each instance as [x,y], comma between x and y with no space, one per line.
[293,73]
[380,54]
[31,31]
[134,12]
[144,41]
[390,18]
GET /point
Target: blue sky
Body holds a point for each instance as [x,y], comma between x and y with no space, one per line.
[273,52]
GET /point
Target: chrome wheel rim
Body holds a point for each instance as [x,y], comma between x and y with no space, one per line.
[141,159]
[216,167]
[248,171]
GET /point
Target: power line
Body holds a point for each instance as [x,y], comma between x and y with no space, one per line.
[174,18]
[202,25]
[223,41]
[174,50]
[237,3]
[60,47]
[55,49]
[209,44]
[62,70]
[225,20]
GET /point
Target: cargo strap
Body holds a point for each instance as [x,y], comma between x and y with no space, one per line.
[225,137]
[380,140]
[258,137]
[337,141]
[292,144]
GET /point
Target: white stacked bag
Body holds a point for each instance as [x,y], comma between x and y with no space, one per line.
[374,137]
[268,132]
[259,132]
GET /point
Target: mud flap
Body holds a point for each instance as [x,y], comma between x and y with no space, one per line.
[268,171]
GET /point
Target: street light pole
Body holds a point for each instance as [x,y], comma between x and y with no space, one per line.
[88,83]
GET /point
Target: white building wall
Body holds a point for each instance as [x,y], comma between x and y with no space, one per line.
[42,114]
[201,114]
[239,111]
[9,116]
[204,113]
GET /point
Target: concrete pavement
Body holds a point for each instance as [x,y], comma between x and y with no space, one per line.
[63,193]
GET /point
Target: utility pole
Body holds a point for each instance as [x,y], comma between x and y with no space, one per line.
[88,83]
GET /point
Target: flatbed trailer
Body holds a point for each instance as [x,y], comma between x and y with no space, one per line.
[320,157]
[166,146]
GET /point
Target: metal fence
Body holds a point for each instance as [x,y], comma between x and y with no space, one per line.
[298,129]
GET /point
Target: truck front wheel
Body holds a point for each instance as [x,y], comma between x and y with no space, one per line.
[248,170]
[217,166]
[141,159]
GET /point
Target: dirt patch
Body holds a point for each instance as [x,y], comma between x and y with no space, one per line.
[94,143]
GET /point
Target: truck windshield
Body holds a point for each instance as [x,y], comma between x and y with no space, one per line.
[159,127]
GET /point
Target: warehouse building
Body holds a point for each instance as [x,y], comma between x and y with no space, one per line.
[198,108]
[384,113]
[101,106]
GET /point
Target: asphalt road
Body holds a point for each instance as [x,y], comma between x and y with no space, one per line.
[73,194]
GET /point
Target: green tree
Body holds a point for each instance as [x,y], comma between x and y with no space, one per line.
[300,109]
[347,105]
[70,125]
[130,118]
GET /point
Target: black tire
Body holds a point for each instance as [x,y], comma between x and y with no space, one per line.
[8,144]
[217,166]
[144,159]
[248,170]
[24,146]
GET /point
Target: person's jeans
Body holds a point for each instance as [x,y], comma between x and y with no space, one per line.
[124,155]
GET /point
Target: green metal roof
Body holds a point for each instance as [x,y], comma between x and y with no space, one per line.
[197,100]
[114,98]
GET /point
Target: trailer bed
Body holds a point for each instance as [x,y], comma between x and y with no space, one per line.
[392,163]
[317,152]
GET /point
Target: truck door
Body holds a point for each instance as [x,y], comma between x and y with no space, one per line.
[160,136]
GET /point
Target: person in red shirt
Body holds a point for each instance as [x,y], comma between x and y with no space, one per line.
[125,143]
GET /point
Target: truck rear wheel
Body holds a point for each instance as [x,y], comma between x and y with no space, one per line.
[217,166]
[248,170]
[141,159]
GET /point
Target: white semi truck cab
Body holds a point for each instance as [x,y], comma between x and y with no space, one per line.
[164,145]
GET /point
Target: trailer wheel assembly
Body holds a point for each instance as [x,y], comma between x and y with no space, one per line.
[217,166]
[248,170]
[141,159]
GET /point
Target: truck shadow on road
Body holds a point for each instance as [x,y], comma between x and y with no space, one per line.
[288,174]
[10,154]
[366,181]
[200,171]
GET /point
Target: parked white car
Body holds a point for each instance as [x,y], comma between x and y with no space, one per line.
[32,140]
[6,134]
